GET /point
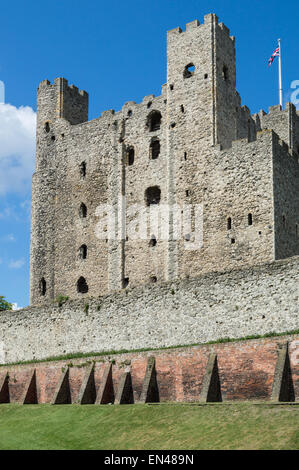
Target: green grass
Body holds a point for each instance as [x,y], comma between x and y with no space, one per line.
[150,427]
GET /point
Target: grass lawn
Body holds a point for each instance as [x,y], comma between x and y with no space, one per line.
[150,427]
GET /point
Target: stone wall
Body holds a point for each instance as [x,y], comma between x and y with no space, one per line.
[231,304]
[247,370]
[200,164]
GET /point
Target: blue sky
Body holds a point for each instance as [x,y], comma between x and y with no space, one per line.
[116,51]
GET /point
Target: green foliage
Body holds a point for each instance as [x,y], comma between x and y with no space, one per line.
[253,426]
[61,299]
[4,305]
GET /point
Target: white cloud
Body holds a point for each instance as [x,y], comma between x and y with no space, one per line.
[16,307]
[17,148]
[17,264]
[8,238]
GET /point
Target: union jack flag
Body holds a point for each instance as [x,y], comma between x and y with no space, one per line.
[275,54]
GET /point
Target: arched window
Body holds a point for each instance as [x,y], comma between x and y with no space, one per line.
[83,211]
[130,155]
[42,287]
[83,251]
[189,70]
[83,170]
[152,195]
[154,148]
[82,286]
[154,121]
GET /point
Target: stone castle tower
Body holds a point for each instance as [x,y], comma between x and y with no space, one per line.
[193,145]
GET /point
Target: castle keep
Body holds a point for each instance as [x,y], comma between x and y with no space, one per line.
[194,144]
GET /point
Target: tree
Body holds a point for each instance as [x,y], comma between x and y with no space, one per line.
[4,305]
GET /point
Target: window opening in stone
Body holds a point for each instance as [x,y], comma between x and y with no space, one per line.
[152,195]
[82,286]
[153,241]
[154,149]
[249,219]
[47,127]
[83,170]
[189,70]
[229,223]
[154,121]
[126,282]
[43,287]
[83,211]
[83,251]
[225,72]
[130,156]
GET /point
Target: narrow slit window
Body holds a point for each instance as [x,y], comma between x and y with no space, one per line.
[225,73]
[83,252]
[83,211]
[130,156]
[83,170]
[43,287]
[229,223]
[249,219]
[154,149]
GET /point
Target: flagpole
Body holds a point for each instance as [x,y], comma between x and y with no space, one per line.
[279,69]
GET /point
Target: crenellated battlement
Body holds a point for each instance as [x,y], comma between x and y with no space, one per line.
[62,83]
[195,144]
[195,25]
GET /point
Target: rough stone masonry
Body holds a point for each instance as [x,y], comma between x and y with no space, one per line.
[194,145]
